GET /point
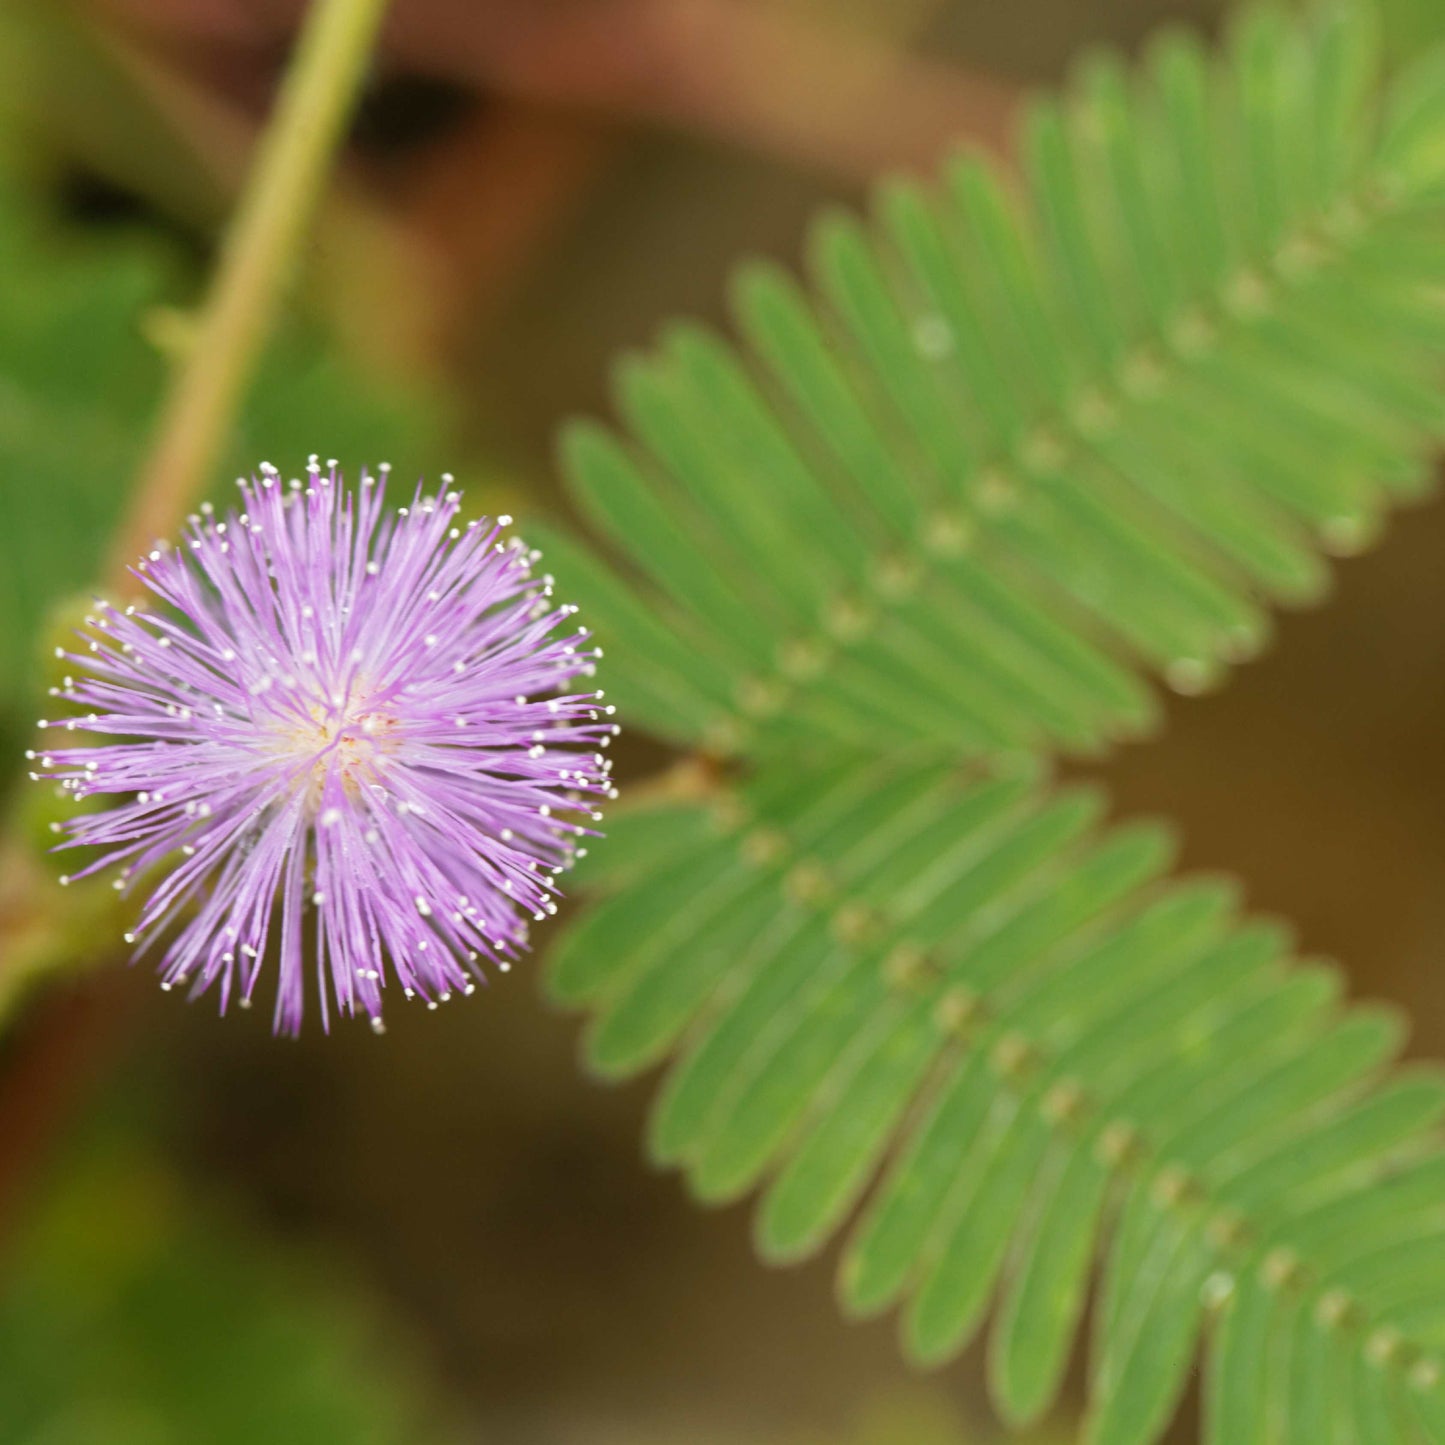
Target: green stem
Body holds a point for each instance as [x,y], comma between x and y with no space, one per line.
[257,260]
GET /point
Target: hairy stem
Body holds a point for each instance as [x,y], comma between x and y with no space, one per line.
[257,259]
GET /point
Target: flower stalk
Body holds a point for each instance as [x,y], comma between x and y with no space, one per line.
[257,262]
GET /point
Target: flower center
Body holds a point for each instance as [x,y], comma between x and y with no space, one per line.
[348,743]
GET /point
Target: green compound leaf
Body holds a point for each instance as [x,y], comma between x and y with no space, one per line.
[1016,449]
[1017,452]
[938,1009]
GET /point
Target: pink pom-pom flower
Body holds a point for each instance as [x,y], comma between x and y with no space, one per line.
[343,732]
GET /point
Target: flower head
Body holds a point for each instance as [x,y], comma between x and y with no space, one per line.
[345,732]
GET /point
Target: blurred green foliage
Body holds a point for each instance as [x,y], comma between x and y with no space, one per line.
[135,1316]
[1411,26]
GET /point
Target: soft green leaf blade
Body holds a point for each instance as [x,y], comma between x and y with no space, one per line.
[662,539]
[954,1289]
[642,838]
[598,948]
[657,680]
[1137,1392]
[1029,1344]
[1237,1378]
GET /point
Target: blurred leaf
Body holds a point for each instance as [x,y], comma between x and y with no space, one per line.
[1411,25]
[134,1316]
[77,385]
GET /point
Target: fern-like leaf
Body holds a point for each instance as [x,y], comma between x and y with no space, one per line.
[1019,450]
[1023,443]
[951,994]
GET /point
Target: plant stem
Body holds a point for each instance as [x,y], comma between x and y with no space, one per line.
[258,257]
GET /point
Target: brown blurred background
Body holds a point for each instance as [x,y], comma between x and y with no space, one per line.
[531,186]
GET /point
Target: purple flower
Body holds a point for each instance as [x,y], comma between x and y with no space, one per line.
[348,725]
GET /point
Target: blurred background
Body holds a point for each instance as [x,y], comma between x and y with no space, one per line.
[450,1235]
